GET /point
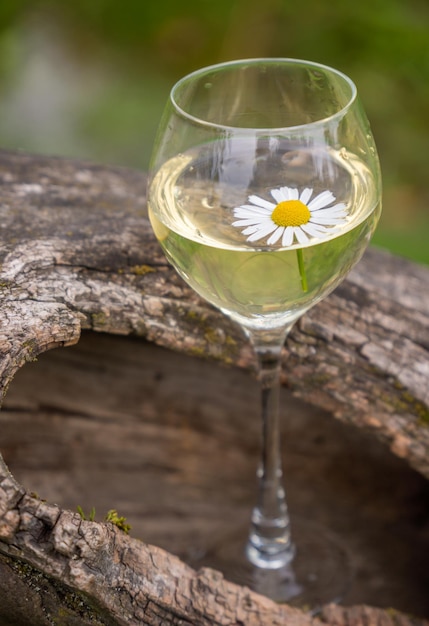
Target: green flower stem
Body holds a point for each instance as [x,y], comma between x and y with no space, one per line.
[301,267]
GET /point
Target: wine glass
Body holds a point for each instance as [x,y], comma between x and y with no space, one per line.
[264,192]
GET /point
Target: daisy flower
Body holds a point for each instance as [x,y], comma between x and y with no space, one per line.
[293,217]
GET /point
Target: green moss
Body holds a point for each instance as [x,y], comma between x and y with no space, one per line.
[35,495]
[409,403]
[111,516]
[318,380]
[98,319]
[392,612]
[31,350]
[198,352]
[405,402]
[59,603]
[119,521]
[230,341]
[423,415]
[211,335]
[141,270]
[191,315]
[91,516]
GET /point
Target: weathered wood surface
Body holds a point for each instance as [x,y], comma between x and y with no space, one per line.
[118,422]
[78,253]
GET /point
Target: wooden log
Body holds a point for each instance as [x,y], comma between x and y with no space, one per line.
[78,253]
[60,569]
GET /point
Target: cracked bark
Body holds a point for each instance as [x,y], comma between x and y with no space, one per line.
[77,253]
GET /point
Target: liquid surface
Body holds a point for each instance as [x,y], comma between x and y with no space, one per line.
[191,207]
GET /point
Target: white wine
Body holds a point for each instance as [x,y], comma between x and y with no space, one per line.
[192,199]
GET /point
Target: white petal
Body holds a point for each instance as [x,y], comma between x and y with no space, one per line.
[256,208]
[261,202]
[325,214]
[322,200]
[278,195]
[242,212]
[329,221]
[340,206]
[336,216]
[300,234]
[293,194]
[285,191]
[250,230]
[276,235]
[314,230]
[250,221]
[330,211]
[306,195]
[287,236]
[263,231]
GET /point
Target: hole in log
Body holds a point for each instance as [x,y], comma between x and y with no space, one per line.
[120,423]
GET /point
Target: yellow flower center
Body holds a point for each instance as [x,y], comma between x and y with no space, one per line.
[291,213]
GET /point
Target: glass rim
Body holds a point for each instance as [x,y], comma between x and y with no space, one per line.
[253,61]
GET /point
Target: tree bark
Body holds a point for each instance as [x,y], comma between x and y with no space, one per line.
[78,253]
[72,571]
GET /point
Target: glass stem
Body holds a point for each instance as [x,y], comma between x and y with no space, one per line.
[269,545]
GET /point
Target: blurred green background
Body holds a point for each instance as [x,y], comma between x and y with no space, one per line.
[89,78]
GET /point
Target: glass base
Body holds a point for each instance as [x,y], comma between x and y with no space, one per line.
[320,572]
